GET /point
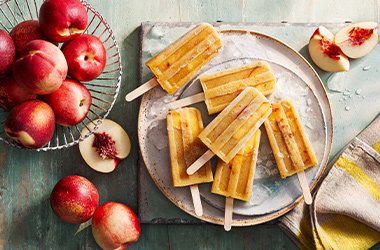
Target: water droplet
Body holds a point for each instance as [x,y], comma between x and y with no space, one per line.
[309,109]
[347,108]
[308,102]
[350,96]
[280,155]
[358,91]
[367,67]
[346,93]
[345,98]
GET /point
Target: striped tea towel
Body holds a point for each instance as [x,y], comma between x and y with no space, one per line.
[345,213]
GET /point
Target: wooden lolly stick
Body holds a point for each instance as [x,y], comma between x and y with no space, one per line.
[196,200]
[305,187]
[141,90]
[187,101]
[228,213]
[200,162]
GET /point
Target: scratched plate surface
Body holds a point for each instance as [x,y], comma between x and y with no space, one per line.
[296,81]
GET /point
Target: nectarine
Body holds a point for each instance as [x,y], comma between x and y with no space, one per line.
[7,53]
[11,93]
[25,32]
[63,20]
[41,68]
[115,226]
[86,57]
[31,124]
[74,199]
[71,103]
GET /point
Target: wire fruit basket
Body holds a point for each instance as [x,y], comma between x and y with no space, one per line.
[104,89]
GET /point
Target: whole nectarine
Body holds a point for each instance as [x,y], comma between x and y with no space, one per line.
[41,68]
[63,20]
[31,124]
[7,53]
[25,32]
[115,226]
[74,199]
[11,93]
[71,102]
[86,57]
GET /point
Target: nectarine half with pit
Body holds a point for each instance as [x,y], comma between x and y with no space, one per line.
[106,147]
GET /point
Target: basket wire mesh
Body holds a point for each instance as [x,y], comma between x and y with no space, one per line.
[104,89]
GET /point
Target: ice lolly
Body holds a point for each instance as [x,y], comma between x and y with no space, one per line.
[233,127]
[184,126]
[234,180]
[220,88]
[181,60]
[291,147]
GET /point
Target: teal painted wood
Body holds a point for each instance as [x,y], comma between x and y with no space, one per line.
[27,178]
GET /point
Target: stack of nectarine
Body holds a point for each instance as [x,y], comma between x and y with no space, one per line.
[32,66]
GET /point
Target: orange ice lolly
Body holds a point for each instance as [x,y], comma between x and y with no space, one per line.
[233,127]
[181,60]
[235,179]
[220,88]
[184,126]
[291,147]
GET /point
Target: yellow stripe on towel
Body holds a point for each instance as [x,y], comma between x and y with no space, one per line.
[360,176]
[376,146]
[344,230]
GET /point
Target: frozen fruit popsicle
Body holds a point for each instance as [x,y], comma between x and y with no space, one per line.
[233,127]
[181,60]
[184,126]
[234,180]
[291,147]
[220,88]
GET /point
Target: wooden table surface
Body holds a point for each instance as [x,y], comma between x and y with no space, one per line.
[27,178]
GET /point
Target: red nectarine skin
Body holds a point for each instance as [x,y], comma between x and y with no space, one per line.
[41,68]
[74,199]
[25,32]
[7,53]
[358,36]
[115,225]
[86,57]
[11,93]
[71,102]
[63,20]
[31,124]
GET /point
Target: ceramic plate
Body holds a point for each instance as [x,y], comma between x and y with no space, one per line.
[296,80]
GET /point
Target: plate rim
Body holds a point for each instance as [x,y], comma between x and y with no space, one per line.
[263,218]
